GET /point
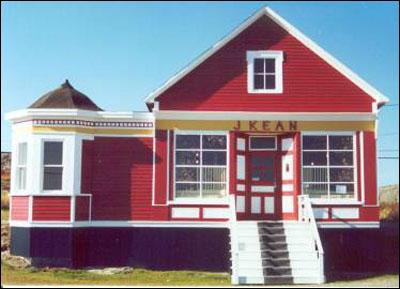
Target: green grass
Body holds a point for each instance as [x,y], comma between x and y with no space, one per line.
[32,276]
[4,215]
[137,277]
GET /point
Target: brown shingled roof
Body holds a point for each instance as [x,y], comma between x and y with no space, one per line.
[65,97]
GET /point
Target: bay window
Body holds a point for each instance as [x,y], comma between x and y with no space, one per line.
[200,165]
[329,169]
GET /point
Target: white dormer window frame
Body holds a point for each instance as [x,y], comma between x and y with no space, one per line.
[275,75]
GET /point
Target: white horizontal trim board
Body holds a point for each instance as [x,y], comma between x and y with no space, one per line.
[185,213]
[216,213]
[245,115]
[262,189]
[28,114]
[345,213]
[347,225]
[321,213]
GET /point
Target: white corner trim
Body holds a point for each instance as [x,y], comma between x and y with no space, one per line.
[357,80]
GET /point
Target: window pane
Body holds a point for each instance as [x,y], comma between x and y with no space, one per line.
[317,191]
[339,191]
[187,174]
[341,158]
[22,151]
[264,161]
[187,141]
[258,174]
[315,174]
[262,143]
[214,190]
[52,178]
[214,158]
[214,174]
[187,157]
[314,158]
[270,82]
[53,152]
[258,65]
[187,190]
[21,178]
[312,142]
[339,142]
[214,142]
[341,175]
[269,65]
[258,81]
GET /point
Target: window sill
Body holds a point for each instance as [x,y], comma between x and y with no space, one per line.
[223,201]
[335,202]
[265,91]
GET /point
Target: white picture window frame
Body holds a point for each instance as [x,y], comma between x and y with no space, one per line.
[266,54]
[62,165]
[328,199]
[201,199]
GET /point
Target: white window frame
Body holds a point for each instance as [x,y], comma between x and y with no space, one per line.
[201,200]
[19,167]
[271,54]
[43,141]
[328,200]
[262,136]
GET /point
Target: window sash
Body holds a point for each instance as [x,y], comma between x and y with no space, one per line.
[328,167]
[51,165]
[200,166]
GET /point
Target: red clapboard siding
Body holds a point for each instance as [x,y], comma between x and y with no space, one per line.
[161,167]
[309,83]
[121,181]
[370,168]
[19,208]
[49,208]
[82,208]
[87,156]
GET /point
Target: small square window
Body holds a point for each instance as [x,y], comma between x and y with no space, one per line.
[264,70]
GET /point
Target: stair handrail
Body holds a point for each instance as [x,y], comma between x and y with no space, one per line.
[234,243]
[306,215]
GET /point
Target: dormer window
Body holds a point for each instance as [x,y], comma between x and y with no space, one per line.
[264,71]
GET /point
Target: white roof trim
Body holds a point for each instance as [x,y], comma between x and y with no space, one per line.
[32,113]
[347,72]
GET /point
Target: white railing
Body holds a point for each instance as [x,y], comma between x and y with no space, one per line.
[306,215]
[234,243]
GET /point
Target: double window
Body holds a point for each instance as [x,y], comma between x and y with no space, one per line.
[52,165]
[329,166]
[200,165]
[264,70]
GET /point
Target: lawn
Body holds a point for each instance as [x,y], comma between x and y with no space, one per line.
[32,276]
[143,277]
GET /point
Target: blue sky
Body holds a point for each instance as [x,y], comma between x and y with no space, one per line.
[118,52]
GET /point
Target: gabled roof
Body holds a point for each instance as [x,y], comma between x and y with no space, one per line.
[347,72]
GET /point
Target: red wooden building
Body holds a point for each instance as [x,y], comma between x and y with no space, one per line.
[245,160]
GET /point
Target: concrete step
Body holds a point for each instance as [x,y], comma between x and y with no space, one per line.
[279,280]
